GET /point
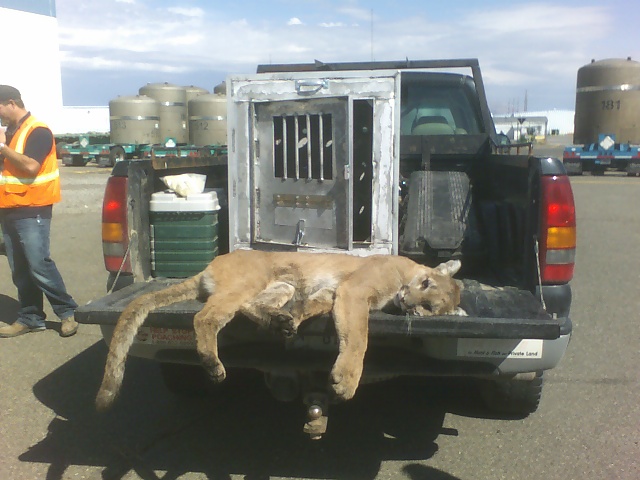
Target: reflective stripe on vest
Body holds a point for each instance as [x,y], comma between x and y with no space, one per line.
[16,190]
[22,133]
[4,180]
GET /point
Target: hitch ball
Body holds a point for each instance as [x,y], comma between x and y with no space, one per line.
[315,412]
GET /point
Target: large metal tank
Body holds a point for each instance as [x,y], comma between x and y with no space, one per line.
[134,120]
[608,101]
[208,120]
[193,92]
[173,109]
[220,89]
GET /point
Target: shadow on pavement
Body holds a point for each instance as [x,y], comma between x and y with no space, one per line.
[8,309]
[239,429]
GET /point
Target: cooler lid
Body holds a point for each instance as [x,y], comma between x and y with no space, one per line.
[168,201]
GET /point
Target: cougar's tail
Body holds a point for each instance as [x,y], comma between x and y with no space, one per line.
[128,325]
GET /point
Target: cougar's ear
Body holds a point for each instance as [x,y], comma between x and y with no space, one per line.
[449,268]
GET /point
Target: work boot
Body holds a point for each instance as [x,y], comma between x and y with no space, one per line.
[69,327]
[18,328]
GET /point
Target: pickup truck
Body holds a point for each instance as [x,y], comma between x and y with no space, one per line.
[397,158]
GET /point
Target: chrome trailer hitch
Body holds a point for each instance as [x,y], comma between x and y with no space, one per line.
[317,409]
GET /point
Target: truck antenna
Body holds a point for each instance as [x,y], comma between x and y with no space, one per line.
[372,59]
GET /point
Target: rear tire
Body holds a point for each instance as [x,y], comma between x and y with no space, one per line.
[204,152]
[77,161]
[573,168]
[514,397]
[116,154]
[60,148]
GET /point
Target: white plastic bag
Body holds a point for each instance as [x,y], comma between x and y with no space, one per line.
[186,183]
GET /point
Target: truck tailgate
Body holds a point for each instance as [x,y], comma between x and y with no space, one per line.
[506,312]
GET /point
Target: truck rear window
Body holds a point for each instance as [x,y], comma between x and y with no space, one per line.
[443,106]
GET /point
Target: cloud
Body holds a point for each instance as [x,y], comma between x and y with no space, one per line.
[187,12]
[332,25]
[356,13]
[98,62]
[552,20]
[521,45]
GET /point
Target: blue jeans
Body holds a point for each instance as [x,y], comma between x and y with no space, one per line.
[33,271]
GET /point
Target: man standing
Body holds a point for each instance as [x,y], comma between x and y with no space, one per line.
[29,186]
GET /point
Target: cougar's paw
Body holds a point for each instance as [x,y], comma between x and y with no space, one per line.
[284,324]
[343,384]
[214,368]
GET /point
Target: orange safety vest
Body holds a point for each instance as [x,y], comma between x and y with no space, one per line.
[17,190]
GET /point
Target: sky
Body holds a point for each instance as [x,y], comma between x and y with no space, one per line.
[529,51]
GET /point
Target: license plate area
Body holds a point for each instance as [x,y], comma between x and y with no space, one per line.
[173,337]
[326,341]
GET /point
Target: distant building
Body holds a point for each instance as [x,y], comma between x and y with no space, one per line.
[521,127]
[535,124]
[38,78]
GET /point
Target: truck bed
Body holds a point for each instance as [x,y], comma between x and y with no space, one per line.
[503,313]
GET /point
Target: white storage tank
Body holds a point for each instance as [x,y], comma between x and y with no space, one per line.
[608,101]
[134,120]
[208,120]
[193,92]
[173,110]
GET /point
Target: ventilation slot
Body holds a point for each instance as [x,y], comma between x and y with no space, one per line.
[302,147]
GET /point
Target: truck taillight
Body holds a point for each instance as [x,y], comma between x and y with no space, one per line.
[115,239]
[558,230]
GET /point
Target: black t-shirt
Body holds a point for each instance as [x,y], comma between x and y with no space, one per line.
[38,146]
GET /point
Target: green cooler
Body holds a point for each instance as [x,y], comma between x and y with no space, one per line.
[184,233]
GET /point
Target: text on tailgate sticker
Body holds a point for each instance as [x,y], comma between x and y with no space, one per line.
[490,348]
[166,336]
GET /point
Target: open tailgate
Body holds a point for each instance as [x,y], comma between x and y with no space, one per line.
[506,312]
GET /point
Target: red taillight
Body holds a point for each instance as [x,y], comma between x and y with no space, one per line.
[557,231]
[115,238]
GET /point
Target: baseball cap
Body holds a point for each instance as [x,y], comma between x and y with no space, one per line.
[7,92]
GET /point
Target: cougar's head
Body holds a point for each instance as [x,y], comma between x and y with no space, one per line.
[433,291]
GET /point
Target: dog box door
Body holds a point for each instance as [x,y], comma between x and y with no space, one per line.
[301,173]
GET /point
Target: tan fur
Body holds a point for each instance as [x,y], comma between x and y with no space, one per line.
[288,288]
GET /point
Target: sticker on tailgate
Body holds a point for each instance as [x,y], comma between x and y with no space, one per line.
[166,336]
[493,348]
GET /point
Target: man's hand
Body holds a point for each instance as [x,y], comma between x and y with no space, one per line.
[20,161]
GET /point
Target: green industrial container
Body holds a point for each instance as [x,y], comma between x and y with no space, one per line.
[184,233]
